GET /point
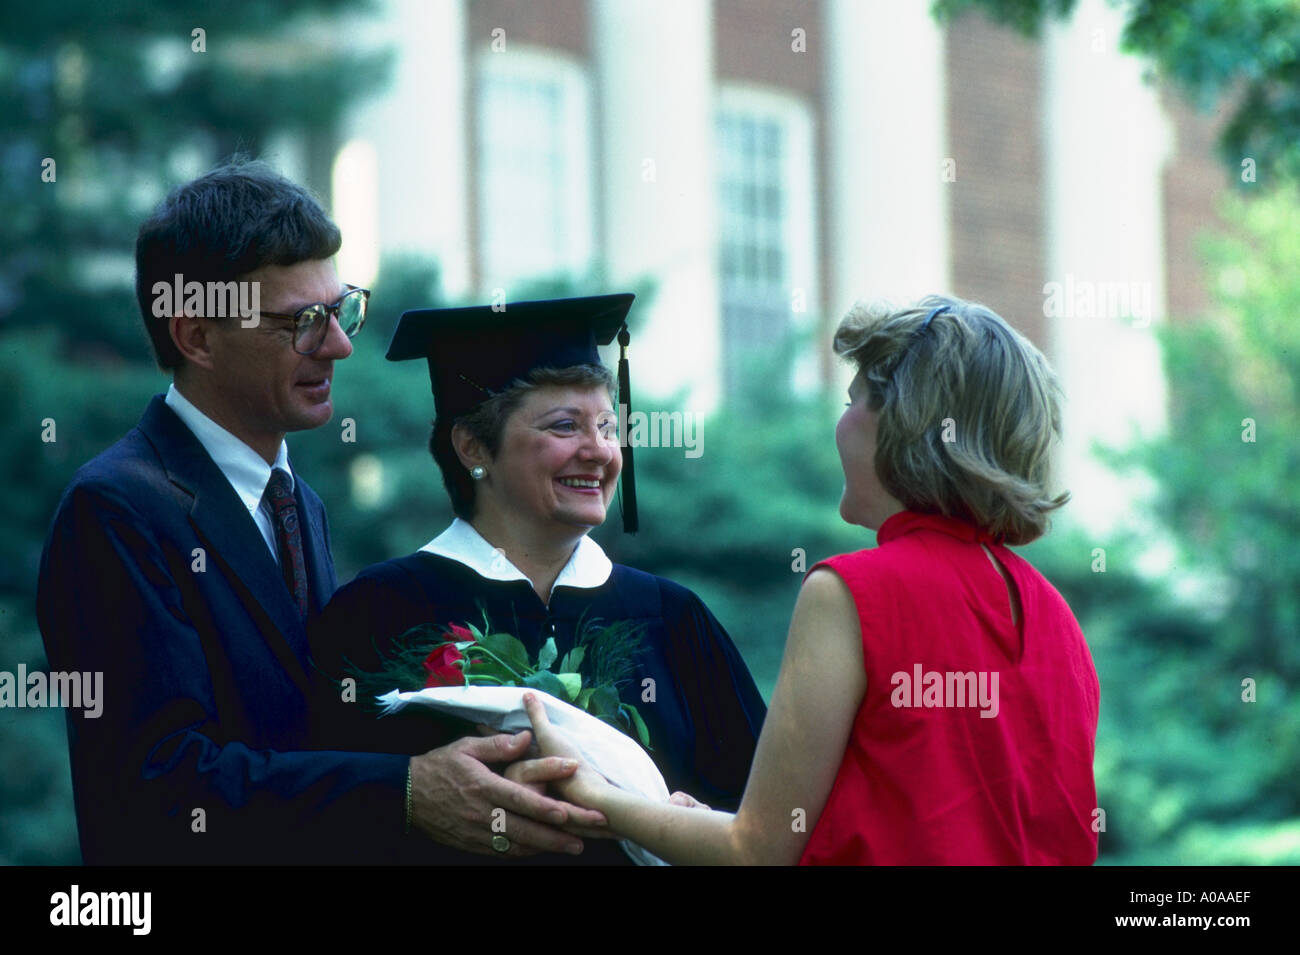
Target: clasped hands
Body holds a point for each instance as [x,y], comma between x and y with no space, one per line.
[458,801]
[579,783]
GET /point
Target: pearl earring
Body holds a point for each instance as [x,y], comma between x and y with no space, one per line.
[478,472]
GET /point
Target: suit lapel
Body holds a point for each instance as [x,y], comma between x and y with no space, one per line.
[320,565]
[221,519]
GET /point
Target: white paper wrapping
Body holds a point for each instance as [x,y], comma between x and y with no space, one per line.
[613,754]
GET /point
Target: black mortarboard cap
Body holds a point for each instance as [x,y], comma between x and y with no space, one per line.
[479,351]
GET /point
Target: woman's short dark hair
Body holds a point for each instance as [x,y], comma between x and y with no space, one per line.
[237,218]
[487,422]
[969,413]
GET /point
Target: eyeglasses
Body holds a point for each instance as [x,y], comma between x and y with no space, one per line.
[311,323]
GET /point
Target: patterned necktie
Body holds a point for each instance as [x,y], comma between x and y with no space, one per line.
[288,538]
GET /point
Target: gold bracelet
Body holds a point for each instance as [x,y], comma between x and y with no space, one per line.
[408,798]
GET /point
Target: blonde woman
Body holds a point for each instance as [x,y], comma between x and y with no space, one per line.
[937,703]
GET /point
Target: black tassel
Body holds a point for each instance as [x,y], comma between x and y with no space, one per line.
[630,523]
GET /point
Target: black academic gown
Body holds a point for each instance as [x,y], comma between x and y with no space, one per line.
[704,720]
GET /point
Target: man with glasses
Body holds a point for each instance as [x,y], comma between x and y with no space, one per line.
[184,561]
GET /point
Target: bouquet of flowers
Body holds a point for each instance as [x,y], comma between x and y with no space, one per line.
[588,677]
[481,675]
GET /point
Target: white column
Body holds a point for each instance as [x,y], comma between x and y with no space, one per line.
[1106,144]
[416,131]
[654,70]
[886,126]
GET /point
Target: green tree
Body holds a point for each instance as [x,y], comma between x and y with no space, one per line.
[1197,754]
[1227,467]
[108,105]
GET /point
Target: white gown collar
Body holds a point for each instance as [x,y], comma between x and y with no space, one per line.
[588,566]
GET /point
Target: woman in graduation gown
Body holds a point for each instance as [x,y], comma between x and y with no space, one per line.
[526,439]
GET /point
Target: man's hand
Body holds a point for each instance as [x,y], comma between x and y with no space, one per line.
[537,774]
[532,773]
[455,798]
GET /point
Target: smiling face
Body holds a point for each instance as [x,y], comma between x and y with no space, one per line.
[263,387]
[557,464]
[865,501]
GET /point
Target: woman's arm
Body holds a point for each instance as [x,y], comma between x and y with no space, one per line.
[817,696]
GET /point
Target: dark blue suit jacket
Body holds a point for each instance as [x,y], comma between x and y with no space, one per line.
[206,681]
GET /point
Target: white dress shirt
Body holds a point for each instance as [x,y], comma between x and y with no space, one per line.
[243,467]
[587,567]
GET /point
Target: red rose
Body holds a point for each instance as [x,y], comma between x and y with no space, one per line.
[460,634]
[441,667]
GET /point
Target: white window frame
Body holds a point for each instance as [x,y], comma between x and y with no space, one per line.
[798,167]
[574,143]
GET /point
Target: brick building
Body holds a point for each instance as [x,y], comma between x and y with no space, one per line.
[758,165]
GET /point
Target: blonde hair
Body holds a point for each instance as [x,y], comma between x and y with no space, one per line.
[969,411]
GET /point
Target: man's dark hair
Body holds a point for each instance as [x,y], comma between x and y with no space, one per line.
[237,218]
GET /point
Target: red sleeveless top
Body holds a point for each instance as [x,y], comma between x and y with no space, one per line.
[974,742]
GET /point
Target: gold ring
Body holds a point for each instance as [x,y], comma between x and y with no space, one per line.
[500,843]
